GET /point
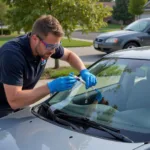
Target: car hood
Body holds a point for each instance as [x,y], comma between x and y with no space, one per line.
[117,34]
[24,131]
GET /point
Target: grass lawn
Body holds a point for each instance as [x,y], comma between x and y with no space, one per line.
[65,42]
[75,43]
[110,27]
[4,39]
[50,73]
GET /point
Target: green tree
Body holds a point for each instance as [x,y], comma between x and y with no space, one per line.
[86,13]
[136,6]
[70,13]
[3,10]
[12,21]
[120,11]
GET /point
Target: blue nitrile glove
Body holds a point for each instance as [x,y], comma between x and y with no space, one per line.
[61,84]
[88,77]
[98,96]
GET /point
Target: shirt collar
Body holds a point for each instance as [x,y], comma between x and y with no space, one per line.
[27,47]
[25,42]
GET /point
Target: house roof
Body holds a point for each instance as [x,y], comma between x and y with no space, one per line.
[110,4]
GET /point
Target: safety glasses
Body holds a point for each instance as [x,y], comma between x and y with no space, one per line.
[49,46]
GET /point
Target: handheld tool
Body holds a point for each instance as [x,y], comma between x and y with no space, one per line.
[91,110]
[99,95]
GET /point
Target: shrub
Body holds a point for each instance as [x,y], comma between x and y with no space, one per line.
[5,31]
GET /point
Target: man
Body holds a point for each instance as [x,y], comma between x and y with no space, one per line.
[23,59]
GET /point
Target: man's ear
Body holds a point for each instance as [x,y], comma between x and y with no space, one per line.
[34,37]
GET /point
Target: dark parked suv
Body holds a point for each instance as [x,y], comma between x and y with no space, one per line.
[135,34]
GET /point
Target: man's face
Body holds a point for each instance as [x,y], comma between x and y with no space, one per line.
[46,47]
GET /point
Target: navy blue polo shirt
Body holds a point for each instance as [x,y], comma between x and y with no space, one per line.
[19,67]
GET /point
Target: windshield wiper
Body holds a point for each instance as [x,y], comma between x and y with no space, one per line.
[129,29]
[61,117]
[114,132]
[82,120]
[51,115]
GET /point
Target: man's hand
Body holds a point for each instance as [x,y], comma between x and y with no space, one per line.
[88,77]
[61,84]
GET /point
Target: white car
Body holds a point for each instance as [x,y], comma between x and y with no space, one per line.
[76,120]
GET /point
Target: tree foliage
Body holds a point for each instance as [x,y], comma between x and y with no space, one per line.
[120,11]
[136,6]
[3,10]
[87,13]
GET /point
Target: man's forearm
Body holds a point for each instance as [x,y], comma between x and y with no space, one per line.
[27,97]
[76,62]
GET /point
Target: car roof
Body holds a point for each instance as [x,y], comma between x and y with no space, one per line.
[134,53]
[143,19]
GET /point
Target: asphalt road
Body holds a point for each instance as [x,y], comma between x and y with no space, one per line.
[89,36]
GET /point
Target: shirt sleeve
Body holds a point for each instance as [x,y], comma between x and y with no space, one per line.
[59,53]
[11,68]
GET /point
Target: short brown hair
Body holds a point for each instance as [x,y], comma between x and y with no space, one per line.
[47,24]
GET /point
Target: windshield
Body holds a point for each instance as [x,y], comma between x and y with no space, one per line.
[138,26]
[125,87]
